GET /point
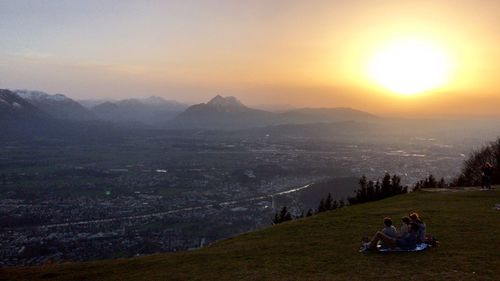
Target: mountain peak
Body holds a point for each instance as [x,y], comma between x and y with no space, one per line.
[40,96]
[154,100]
[225,102]
[14,107]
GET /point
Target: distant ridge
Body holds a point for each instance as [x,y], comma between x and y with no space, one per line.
[153,111]
[337,114]
[229,113]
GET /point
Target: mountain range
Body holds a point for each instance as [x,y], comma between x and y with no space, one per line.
[14,108]
[58,105]
[228,113]
[220,113]
[153,111]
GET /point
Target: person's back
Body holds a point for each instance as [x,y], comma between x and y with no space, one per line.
[422,228]
[487,172]
[409,240]
[405,226]
[390,231]
[389,228]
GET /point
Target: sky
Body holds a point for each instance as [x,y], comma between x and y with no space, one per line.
[299,53]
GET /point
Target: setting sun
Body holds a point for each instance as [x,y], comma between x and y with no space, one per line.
[410,66]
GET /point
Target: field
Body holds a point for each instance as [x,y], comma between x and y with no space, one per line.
[325,247]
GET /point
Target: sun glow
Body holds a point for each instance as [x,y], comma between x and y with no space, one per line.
[410,66]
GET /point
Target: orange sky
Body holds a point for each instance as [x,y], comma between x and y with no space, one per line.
[301,53]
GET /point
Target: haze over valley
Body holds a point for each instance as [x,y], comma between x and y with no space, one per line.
[129,128]
[139,176]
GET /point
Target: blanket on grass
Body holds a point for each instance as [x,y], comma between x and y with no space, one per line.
[420,247]
[380,249]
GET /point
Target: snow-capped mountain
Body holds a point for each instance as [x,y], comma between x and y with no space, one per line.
[40,96]
[58,105]
[15,108]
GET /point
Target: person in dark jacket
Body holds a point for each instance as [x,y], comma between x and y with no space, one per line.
[486,173]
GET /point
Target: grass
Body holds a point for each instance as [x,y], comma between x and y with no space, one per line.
[325,247]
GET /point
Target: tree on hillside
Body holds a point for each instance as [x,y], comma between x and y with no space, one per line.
[371,190]
[328,202]
[335,205]
[386,187]
[341,204]
[441,183]
[321,206]
[363,186]
[471,171]
[378,190]
[429,182]
[282,216]
[309,213]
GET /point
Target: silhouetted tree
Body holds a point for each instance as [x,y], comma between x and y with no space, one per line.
[362,191]
[370,191]
[341,203]
[352,200]
[328,202]
[378,191]
[428,182]
[309,213]
[431,182]
[386,187]
[441,183]
[321,206]
[335,205]
[471,171]
[282,216]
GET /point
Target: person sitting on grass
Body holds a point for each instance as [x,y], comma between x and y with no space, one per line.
[415,218]
[405,226]
[389,229]
[405,242]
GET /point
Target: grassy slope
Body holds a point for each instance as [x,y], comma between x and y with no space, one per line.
[325,247]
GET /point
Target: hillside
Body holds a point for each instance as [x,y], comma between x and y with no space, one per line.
[325,247]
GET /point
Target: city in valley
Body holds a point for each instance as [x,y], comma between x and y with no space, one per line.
[148,191]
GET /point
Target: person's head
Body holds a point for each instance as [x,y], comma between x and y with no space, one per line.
[415,217]
[413,227]
[387,221]
[405,220]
